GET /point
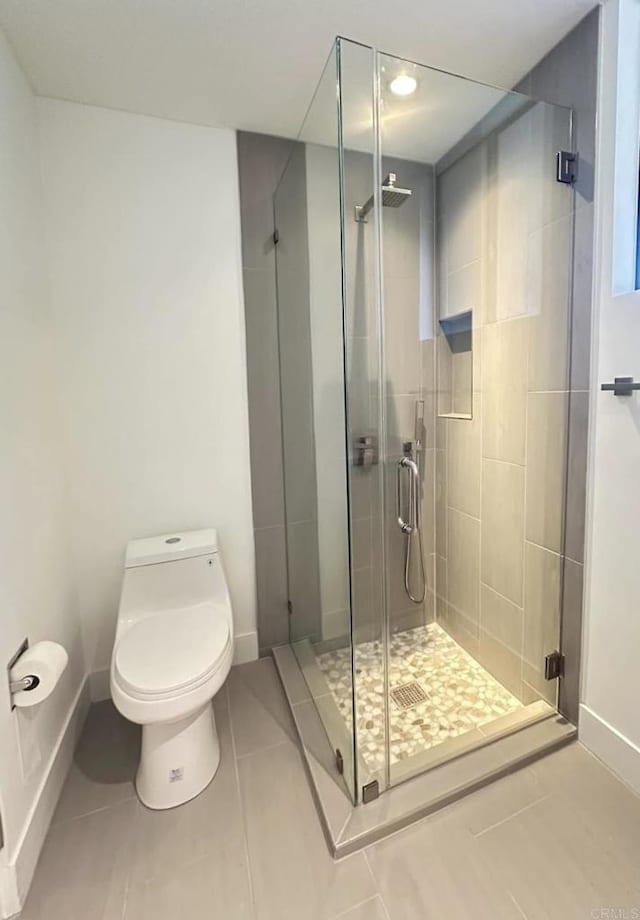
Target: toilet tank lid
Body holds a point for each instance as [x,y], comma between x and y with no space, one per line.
[171,546]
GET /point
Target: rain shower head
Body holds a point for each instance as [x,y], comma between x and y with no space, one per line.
[392,197]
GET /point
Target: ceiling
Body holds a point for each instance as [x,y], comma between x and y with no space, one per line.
[254,64]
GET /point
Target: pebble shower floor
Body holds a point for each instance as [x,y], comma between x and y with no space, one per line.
[460,694]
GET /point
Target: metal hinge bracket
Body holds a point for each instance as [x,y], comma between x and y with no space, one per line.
[553,666]
[370,792]
[276,237]
[566,166]
[290,608]
[339,761]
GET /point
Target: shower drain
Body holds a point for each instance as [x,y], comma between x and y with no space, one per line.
[408,695]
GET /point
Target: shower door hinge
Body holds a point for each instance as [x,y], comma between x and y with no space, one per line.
[339,761]
[566,166]
[276,237]
[290,608]
[370,792]
[553,666]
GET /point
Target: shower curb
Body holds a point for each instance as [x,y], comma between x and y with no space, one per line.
[348,828]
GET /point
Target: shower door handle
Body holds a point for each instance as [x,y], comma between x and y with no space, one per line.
[414,495]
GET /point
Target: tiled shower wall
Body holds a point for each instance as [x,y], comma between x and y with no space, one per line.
[504,559]
[407,234]
[568,76]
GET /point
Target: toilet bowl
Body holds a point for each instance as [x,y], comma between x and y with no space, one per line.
[172,653]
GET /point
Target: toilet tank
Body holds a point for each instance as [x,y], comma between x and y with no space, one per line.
[172,571]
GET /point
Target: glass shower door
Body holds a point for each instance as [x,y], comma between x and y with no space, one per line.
[476,236]
[312,357]
[423,282]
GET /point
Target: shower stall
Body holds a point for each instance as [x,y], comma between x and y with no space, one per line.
[423,266]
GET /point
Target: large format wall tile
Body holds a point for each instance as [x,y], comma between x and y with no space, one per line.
[577,475]
[304,579]
[261,160]
[263,378]
[548,291]
[581,299]
[463,466]
[568,76]
[541,615]
[402,328]
[546,462]
[441,502]
[501,619]
[271,582]
[571,639]
[463,563]
[504,390]
[503,528]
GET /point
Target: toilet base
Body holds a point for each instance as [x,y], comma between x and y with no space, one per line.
[178,759]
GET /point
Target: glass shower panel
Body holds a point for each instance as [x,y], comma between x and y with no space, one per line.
[365,417]
[475,254]
[312,383]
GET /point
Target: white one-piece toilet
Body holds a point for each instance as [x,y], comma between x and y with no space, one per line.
[172,653]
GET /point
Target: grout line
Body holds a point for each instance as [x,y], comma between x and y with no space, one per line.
[125,900]
[262,750]
[345,913]
[368,864]
[514,814]
[385,909]
[94,811]
[518,908]
[464,513]
[241,801]
[547,550]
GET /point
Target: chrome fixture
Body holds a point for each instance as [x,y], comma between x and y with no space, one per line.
[366,451]
[412,528]
[392,197]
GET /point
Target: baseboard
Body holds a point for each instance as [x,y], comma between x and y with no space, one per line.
[16,877]
[245,648]
[619,753]
[99,686]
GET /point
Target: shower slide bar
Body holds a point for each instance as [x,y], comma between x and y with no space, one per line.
[413,522]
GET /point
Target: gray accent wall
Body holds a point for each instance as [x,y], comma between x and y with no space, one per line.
[261,160]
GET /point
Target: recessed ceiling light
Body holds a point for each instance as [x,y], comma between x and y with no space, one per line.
[403,85]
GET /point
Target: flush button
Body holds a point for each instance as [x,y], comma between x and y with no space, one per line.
[173,540]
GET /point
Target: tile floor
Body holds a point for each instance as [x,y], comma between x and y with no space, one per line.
[461,694]
[559,839]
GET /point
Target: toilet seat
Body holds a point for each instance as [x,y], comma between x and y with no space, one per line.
[171,653]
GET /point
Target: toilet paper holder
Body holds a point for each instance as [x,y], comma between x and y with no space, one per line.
[29,682]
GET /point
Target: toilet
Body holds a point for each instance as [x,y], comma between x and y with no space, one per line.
[172,653]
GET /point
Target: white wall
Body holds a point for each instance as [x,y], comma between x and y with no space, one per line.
[143,229]
[609,713]
[36,596]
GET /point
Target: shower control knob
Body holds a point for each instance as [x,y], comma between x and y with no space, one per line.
[366,451]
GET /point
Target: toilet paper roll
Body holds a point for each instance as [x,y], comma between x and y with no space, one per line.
[46,660]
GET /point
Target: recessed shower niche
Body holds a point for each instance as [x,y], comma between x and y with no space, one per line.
[455,366]
[422,255]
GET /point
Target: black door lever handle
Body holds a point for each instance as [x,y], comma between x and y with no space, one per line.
[621,386]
